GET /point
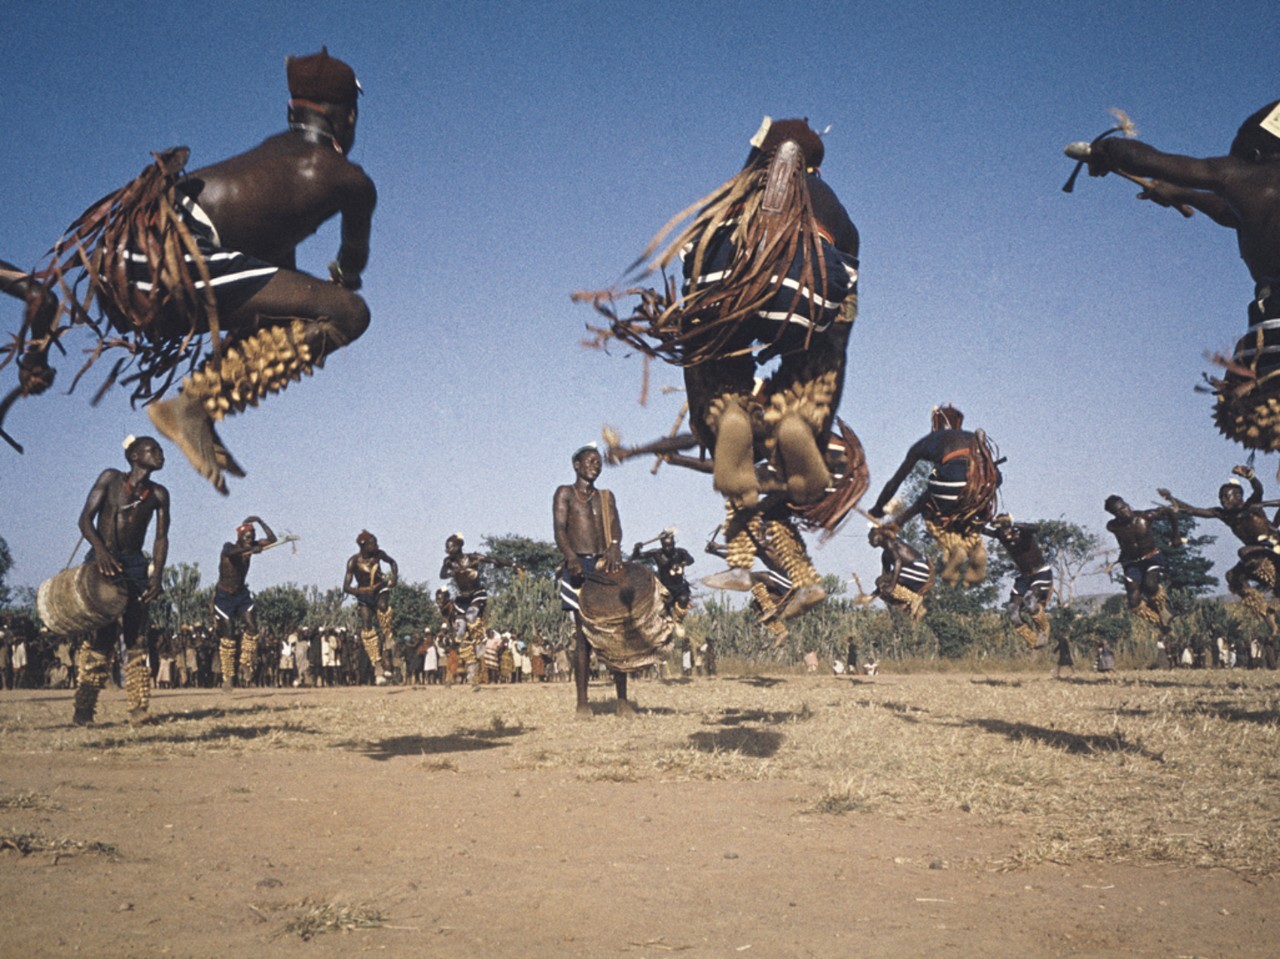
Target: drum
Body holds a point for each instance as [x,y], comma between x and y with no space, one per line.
[621,616]
[80,600]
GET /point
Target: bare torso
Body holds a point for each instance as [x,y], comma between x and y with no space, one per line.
[266,201]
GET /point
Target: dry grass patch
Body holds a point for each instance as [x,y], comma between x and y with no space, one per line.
[310,919]
[27,800]
[30,842]
[1141,767]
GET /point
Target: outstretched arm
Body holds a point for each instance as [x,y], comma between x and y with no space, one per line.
[1178,506]
[1210,204]
[1141,159]
[34,373]
[911,512]
[1169,513]
[914,456]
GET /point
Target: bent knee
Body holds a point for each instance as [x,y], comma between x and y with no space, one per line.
[352,320]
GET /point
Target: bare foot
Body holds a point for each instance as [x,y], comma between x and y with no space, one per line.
[732,578]
[184,421]
[801,601]
[951,568]
[807,473]
[734,471]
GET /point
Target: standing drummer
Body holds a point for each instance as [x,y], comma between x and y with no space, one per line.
[589,533]
[114,521]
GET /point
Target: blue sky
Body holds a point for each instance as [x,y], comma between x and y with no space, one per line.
[526,150]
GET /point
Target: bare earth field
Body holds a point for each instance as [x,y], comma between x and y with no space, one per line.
[941,815]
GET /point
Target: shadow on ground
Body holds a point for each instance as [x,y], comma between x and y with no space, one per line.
[756,743]
[1079,744]
[212,735]
[1232,713]
[462,741]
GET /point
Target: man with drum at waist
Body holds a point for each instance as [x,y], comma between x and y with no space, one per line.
[589,533]
[232,600]
[372,590]
[114,521]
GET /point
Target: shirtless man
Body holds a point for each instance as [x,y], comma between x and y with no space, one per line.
[372,589]
[232,600]
[906,576]
[770,265]
[114,521]
[670,561]
[588,532]
[463,569]
[1029,600]
[246,215]
[1240,191]
[1141,561]
[959,496]
[1259,557]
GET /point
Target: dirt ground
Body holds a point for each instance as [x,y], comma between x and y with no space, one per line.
[458,822]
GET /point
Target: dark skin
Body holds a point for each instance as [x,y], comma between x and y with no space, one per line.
[1247,519]
[233,564]
[264,202]
[719,549]
[41,307]
[268,200]
[1019,541]
[1242,194]
[773,503]
[1132,530]
[894,556]
[670,560]
[115,518]
[448,610]
[464,568]
[799,446]
[931,448]
[581,515]
[364,578]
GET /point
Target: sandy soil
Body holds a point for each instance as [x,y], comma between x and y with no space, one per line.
[461,852]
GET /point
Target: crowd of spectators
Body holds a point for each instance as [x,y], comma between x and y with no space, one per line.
[314,656]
